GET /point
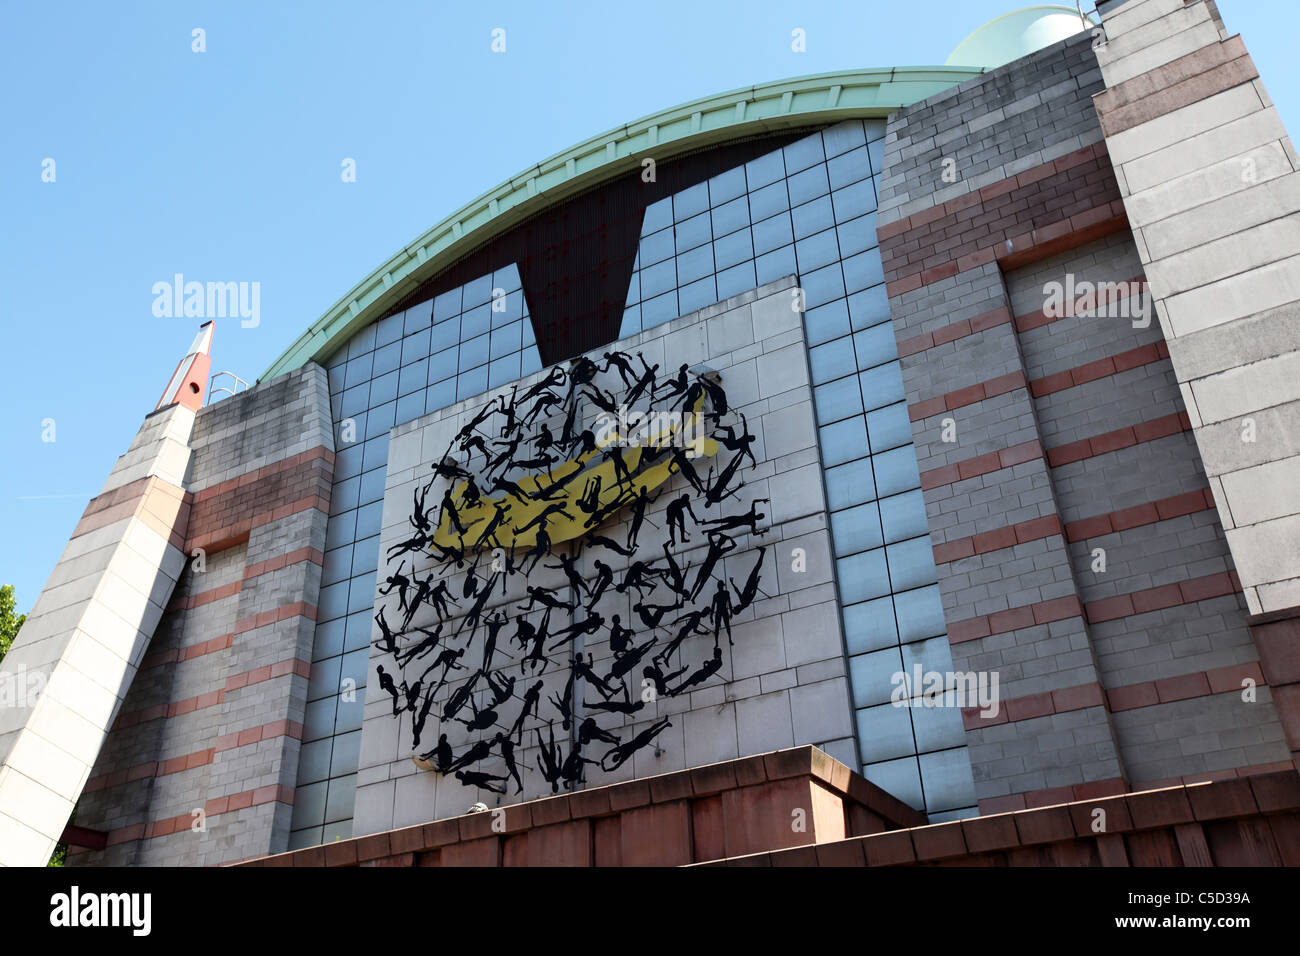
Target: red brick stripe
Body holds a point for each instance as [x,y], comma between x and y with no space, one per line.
[1102,368]
[966,396]
[953,332]
[200,758]
[1052,796]
[297,609]
[173,709]
[1119,438]
[199,599]
[272,793]
[1043,210]
[1080,306]
[228,535]
[981,465]
[1221,680]
[1031,706]
[190,704]
[1139,515]
[1000,622]
[242,738]
[1038,528]
[1007,537]
[1059,381]
[1061,455]
[319,453]
[176,655]
[224,514]
[283,561]
[1023,323]
[160,505]
[1159,598]
[1001,187]
[269,672]
[1181,82]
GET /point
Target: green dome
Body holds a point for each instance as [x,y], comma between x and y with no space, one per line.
[1018,34]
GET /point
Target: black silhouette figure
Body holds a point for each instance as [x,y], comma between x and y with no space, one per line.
[690,626]
[604,576]
[678,508]
[449,509]
[719,545]
[624,663]
[419,518]
[531,697]
[617,756]
[722,489]
[388,640]
[575,578]
[549,759]
[564,702]
[682,465]
[720,612]
[643,383]
[485,781]
[745,596]
[749,520]
[656,676]
[615,706]
[671,388]
[620,637]
[507,748]
[431,638]
[584,670]
[595,539]
[386,684]
[589,730]
[620,362]
[711,667]
[508,411]
[588,625]
[546,598]
[741,442]
[652,614]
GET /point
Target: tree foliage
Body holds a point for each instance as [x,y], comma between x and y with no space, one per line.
[9,623]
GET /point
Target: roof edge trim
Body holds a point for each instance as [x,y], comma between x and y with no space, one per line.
[770,107]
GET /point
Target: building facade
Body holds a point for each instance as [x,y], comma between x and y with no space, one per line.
[939,420]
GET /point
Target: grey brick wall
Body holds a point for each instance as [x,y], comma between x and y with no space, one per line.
[267,424]
[989,128]
[1018,116]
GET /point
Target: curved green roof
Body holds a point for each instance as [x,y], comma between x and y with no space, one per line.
[771,107]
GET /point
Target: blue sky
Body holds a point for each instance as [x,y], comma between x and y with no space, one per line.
[225,166]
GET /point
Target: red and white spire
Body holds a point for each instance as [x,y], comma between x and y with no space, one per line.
[190,379]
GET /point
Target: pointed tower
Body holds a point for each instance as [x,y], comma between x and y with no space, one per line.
[66,675]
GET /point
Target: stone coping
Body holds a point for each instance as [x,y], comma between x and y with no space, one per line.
[689,784]
[1175,808]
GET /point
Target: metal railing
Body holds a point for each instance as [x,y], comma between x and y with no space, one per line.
[236,386]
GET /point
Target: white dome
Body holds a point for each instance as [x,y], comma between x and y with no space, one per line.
[1018,34]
